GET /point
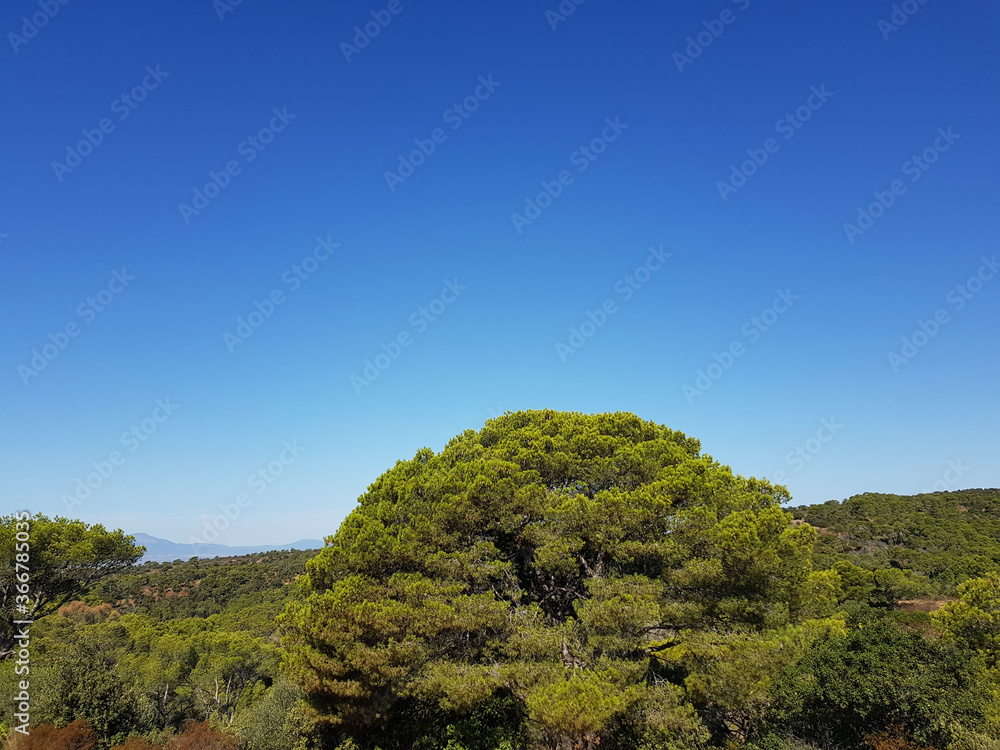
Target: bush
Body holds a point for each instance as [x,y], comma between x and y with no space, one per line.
[270,722]
[78,735]
[880,686]
[968,740]
[893,738]
[202,736]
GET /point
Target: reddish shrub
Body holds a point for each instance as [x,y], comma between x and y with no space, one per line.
[201,736]
[75,736]
[895,738]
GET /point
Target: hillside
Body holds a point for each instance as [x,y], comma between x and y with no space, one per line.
[946,537]
[200,587]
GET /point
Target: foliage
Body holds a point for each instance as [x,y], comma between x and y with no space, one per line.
[145,675]
[202,736]
[65,559]
[731,677]
[542,557]
[79,679]
[273,719]
[877,676]
[137,742]
[893,738]
[975,617]
[77,735]
[944,538]
[200,588]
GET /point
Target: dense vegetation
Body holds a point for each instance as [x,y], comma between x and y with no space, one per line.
[199,588]
[944,538]
[552,581]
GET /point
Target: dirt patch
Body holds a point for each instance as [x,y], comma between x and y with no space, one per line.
[922,605]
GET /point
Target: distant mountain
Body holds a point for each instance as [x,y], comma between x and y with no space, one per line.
[163,550]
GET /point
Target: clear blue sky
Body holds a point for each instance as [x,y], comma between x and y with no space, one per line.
[864,100]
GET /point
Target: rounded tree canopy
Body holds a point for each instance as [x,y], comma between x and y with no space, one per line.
[548,556]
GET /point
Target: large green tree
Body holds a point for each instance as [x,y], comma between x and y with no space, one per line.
[551,559]
[54,560]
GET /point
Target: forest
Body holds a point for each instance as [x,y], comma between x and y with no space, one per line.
[554,580]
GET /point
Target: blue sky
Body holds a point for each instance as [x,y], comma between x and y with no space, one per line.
[701,194]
